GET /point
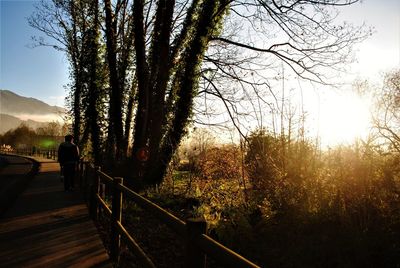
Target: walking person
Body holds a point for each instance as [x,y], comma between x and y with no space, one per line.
[68,157]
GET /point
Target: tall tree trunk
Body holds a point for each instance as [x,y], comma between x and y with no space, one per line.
[76,125]
[77,70]
[160,73]
[142,75]
[94,85]
[116,90]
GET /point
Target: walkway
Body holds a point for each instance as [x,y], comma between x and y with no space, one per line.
[13,178]
[47,227]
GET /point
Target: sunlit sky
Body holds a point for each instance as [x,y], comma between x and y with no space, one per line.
[42,72]
[344,115]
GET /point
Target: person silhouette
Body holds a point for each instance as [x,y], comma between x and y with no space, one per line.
[68,157]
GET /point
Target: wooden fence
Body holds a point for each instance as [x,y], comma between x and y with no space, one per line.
[45,153]
[197,243]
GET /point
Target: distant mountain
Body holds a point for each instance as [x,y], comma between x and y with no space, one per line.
[13,104]
[16,109]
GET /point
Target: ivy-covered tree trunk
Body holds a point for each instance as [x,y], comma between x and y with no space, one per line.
[210,16]
[167,79]
[76,62]
[95,85]
[160,73]
[142,77]
[76,124]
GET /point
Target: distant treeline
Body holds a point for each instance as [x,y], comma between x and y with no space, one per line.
[24,137]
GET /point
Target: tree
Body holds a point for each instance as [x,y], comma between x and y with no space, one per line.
[64,22]
[387,118]
[96,80]
[162,55]
[119,41]
[168,74]
[214,167]
[22,136]
[74,25]
[263,40]
[52,129]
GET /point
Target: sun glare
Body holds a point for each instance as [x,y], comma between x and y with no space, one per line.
[343,118]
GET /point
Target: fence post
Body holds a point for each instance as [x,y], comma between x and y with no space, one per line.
[101,193]
[116,216]
[195,258]
[94,193]
[80,172]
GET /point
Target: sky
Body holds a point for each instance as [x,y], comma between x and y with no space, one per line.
[39,72]
[343,115]
[380,52]
[42,72]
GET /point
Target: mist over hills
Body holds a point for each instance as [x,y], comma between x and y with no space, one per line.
[8,122]
[16,109]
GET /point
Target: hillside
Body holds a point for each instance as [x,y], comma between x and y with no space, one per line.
[16,109]
[8,122]
[13,104]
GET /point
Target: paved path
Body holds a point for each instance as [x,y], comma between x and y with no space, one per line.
[47,227]
[15,173]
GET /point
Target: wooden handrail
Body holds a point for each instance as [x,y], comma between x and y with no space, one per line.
[225,255]
[196,239]
[107,179]
[132,244]
[173,222]
[103,205]
[45,153]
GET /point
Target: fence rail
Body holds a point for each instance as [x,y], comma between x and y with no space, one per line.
[197,243]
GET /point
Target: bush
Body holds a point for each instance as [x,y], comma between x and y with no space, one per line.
[280,169]
[220,163]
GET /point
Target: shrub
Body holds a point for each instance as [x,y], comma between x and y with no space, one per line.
[220,163]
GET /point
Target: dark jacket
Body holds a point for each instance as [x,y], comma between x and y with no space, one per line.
[68,153]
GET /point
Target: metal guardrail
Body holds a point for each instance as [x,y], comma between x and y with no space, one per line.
[197,243]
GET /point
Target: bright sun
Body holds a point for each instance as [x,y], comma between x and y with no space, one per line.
[343,118]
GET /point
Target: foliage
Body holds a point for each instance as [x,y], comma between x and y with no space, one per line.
[53,129]
[220,163]
[345,200]
[364,186]
[280,169]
